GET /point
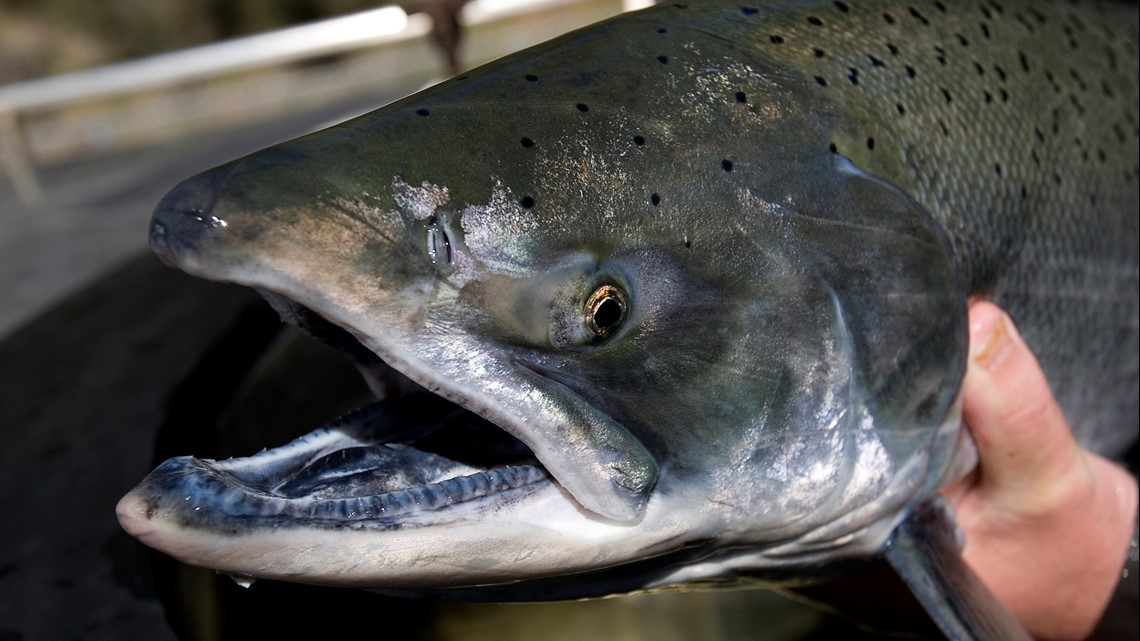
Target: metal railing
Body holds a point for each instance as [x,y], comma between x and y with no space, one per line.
[333,36]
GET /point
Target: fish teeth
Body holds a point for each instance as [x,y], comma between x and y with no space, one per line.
[423,498]
[211,493]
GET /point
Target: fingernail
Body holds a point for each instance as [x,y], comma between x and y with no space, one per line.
[996,346]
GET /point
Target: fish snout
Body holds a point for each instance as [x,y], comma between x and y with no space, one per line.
[185,216]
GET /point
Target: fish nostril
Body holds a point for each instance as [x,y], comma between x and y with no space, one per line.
[186,214]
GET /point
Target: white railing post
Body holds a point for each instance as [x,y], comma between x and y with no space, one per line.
[14,157]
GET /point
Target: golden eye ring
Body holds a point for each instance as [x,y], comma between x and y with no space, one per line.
[605,311]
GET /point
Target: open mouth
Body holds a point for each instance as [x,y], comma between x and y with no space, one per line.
[412,452]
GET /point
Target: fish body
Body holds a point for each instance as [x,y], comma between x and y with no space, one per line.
[708,263]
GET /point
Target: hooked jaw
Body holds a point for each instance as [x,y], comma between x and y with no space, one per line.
[187,503]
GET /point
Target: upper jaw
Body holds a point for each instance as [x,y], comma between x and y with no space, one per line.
[606,470]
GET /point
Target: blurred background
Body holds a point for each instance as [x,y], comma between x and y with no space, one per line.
[109,362]
[105,105]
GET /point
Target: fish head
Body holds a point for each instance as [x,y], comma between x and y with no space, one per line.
[716,339]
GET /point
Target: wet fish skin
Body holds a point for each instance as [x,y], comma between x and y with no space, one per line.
[798,200]
[1015,124]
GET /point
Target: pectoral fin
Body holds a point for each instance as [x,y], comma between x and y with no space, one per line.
[924,551]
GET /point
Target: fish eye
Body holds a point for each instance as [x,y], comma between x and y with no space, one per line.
[605,311]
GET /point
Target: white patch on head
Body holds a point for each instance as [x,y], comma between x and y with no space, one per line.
[419,202]
[496,232]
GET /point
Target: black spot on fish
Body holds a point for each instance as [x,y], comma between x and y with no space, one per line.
[639,140]
[1101,156]
[663,59]
[812,20]
[1000,72]
[945,129]
[940,55]
[741,98]
[1072,39]
[853,76]
[748,11]
[819,53]
[1077,105]
[986,13]
[662,30]
[901,109]
[726,164]
[527,202]
[1004,95]
[893,49]
[962,40]
[527,142]
[988,97]
[889,18]
[980,69]
[921,18]
[910,71]
[530,77]
[832,148]
[842,7]
[941,7]
[1024,192]
[1025,23]
[688,244]
[422,112]
[1036,14]
[820,81]
[1024,61]
[1040,135]
[1078,79]
[875,62]
[997,169]
[871,144]
[1036,159]
[997,7]
[655,199]
[776,40]
[946,95]
[583,107]
[985,30]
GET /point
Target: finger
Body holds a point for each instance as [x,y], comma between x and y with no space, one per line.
[1023,439]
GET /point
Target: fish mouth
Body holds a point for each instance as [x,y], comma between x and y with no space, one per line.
[350,473]
[411,456]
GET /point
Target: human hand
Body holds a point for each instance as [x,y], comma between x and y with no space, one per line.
[1047,523]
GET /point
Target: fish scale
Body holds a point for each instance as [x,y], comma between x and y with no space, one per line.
[1015,124]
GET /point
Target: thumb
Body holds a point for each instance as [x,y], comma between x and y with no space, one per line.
[1024,443]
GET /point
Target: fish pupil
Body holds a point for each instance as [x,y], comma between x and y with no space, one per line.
[605,311]
[607,315]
